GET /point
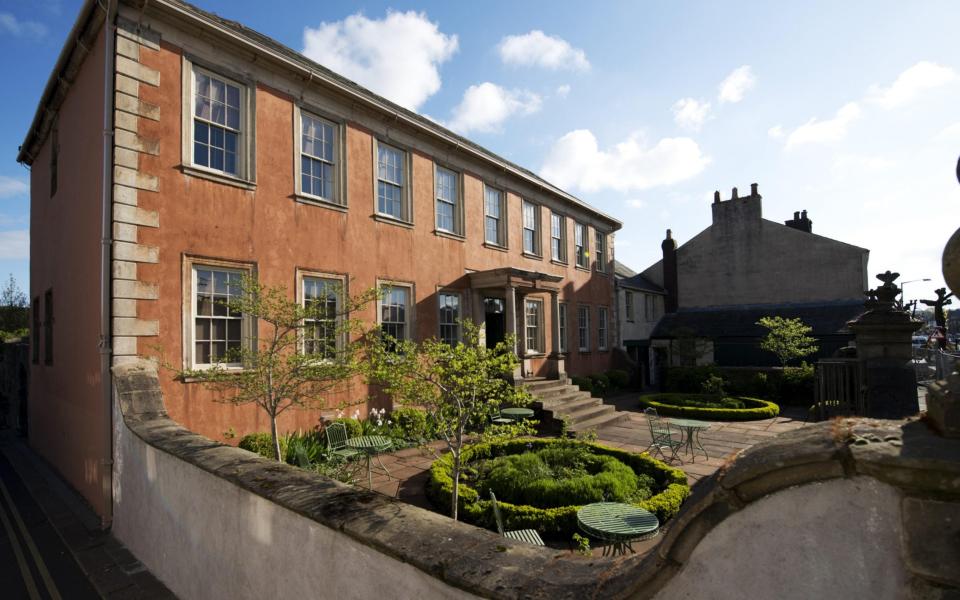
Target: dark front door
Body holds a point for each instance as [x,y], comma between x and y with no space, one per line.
[495,320]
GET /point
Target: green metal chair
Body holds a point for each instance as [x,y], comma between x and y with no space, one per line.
[337,442]
[529,536]
[662,436]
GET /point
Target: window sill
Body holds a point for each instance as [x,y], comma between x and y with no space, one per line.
[202,173]
[535,355]
[317,201]
[497,247]
[562,263]
[584,269]
[449,235]
[532,256]
[228,370]
[392,221]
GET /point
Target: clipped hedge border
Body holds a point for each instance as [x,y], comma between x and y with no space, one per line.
[756,408]
[478,509]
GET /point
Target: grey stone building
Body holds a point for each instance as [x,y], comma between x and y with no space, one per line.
[743,267]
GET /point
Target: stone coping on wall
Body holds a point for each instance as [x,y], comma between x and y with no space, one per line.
[904,454]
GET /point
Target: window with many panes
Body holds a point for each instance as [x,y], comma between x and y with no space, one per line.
[217,123]
[48,322]
[449,317]
[650,307]
[602,328]
[580,248]
[600,252]
[583,327]
[494,215]
[558,238]
[217,329]
[531,228]
[322,299]
[628,309]
[449,210]
[318,158]
[391,182]
[35,332]
[395,311]
[562,325]
[533,320]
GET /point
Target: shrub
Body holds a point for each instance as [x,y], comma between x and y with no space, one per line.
[713,386]
[261,443]
[619,379]
[669,487]
[692,406]
[601,384]
[584,383]
[796,385]
[410,424]
[354,427]
[688,379]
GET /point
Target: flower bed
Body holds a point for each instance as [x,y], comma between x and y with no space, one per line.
[604,473]
[708,408]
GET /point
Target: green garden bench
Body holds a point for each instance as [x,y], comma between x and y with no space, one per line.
[530,536]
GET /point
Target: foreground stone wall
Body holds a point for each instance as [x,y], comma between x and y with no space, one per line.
[848,508]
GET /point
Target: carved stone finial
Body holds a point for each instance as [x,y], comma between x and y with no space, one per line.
[888,292]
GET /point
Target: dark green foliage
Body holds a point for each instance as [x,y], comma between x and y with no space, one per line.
[668,485]
[411,424]
[354,427]
[600,384]
[619,379]
[713,386]
[790,385]
[688,379]
[584,383]
[796,385]
[708,408]
[261,443]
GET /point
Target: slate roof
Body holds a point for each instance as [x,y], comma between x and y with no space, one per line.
[828,318]
[641,283]
[621,270]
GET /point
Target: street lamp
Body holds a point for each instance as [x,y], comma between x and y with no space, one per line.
[903,298]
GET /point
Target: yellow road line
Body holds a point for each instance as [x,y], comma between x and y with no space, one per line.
[41,566]
[21,561]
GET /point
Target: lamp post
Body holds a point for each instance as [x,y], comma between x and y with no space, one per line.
[903,298]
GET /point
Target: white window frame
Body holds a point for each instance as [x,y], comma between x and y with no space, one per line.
[342,296]
[246,143]
[533,322]
[458,225]
[600,253]
[456,325]
[583,328]
[527,207]
[406,204]
[501,241]
[561,254]
[562,326]
[628,305]
[602,328]
[338,189]
[247,327]
[385,284]
[581,251]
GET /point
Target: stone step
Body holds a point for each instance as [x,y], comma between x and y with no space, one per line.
[562,392]
[585,413]
[537,384]
[558,401]
[569,407]
[598,422]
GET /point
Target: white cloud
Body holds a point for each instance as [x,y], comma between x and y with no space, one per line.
[831,130]
[847,162]
[11,186]
[15,244]
[951,132]
[576,161]
[397,56]
[690,114]
[486,106]
[563,90]
[775,132]
[740,81]
[636,203]
[10,24]
[537,49]
[909,84]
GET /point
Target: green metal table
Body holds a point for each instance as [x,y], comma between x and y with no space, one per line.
[371,446]
[617,523]
[517,414]
[691,435]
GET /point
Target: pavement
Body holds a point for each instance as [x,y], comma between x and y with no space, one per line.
[51,543]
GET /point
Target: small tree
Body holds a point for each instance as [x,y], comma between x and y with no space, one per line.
[13,310]
[787,338]
[458,385]
[301,352]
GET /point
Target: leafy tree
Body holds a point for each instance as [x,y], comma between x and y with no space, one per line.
[789,339]
[280,370]
[458,386]
[13,310]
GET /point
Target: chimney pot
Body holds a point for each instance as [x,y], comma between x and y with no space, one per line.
[753,189]
[733,195]
[796,215]
[716,197]
[804,214]
[669,235]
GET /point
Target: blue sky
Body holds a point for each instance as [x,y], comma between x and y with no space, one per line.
[848,110]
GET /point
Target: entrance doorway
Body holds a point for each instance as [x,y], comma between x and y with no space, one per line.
[495,319]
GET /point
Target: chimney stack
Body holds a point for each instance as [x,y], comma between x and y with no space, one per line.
[670,279]
[733,194]
[716,197]
[800,222]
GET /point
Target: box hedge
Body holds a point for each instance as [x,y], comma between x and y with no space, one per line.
[680,405]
